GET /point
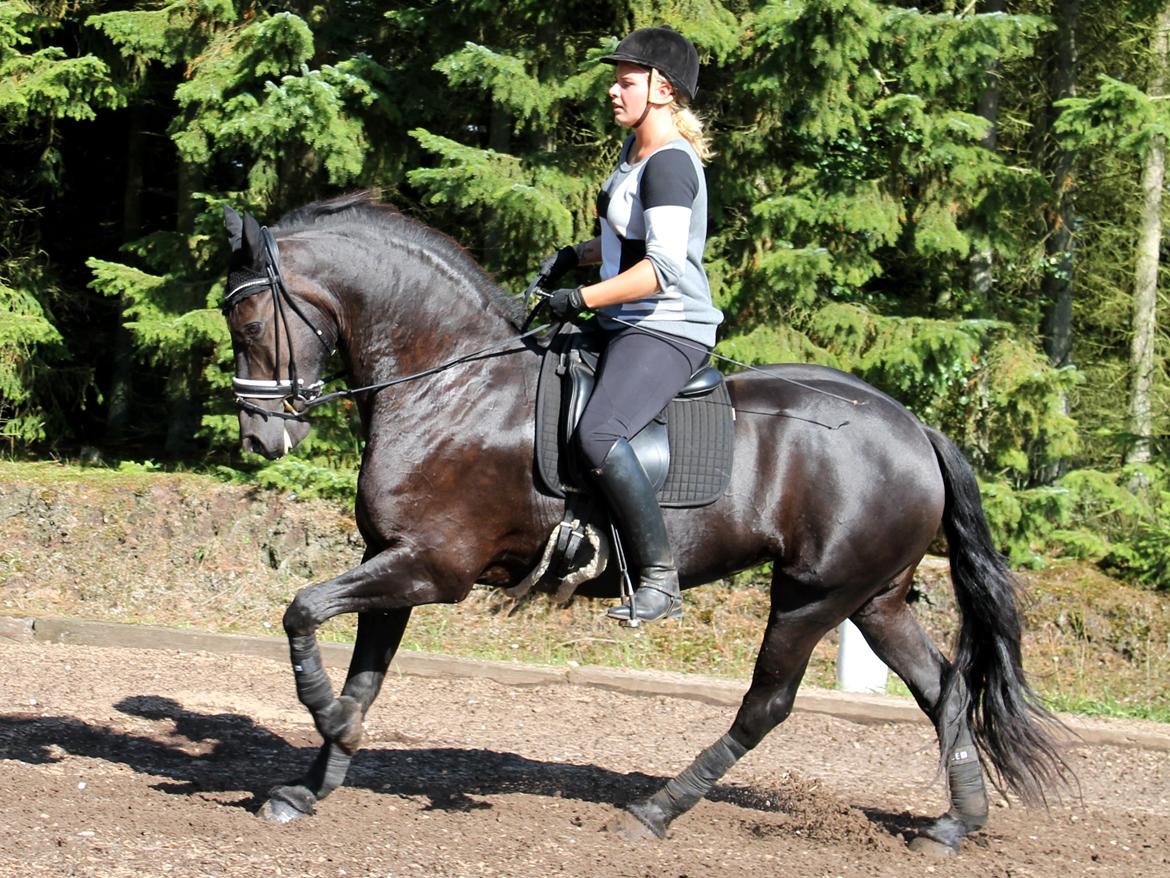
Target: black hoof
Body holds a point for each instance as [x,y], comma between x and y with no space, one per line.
[942,838]
[286,804]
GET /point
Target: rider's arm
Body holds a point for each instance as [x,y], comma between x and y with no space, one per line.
[636,282]
[589,252]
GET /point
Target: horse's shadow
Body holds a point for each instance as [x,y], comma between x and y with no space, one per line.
[229,753]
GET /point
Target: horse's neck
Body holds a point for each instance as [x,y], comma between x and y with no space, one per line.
[404,327]
[443,382]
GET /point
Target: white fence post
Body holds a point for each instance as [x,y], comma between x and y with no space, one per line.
[858,667]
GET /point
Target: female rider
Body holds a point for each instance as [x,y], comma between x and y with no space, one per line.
[653,300]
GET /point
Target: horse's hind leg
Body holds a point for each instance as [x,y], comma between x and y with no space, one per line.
[798,620]
[378,636]
[898,639]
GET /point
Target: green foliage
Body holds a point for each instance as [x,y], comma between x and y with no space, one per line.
[159,310]
[506,79]
[306,479]
[514,202]
[776,344]
[1118,115]
[309,118]
[46,83]
[29,347]
[172,33]
[853,184]
[995,395]
[870,162]
[1120,520]
[40,86]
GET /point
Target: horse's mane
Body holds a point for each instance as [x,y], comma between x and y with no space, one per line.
[367,210]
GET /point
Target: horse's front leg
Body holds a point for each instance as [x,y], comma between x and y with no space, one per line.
[378,636]
[383,611]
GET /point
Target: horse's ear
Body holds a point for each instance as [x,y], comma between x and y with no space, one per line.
[235,228]
[245,237]
[253,239]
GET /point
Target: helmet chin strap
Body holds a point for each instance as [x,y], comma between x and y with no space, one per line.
[649,103]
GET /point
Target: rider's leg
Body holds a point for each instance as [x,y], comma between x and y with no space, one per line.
[638,376]
[633,503]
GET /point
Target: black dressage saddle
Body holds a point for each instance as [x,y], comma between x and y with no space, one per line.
[686,450]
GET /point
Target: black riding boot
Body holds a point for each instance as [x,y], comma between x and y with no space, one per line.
[639,518]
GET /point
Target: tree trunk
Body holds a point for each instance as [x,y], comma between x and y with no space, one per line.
[1060,244]
[1145,291]
[982,265]
[499,140]
[1059,166]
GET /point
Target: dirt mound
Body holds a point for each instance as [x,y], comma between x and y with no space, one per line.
[168,549]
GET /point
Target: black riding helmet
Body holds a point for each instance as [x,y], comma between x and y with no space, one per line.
[667,51]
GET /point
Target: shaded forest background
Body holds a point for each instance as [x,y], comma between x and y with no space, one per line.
[960,202]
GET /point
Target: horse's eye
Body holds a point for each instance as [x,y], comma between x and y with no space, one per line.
[252,330]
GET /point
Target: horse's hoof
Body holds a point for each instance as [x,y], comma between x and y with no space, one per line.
[627,827]
[942,838]
[286,804]
[641,821]
[922,844]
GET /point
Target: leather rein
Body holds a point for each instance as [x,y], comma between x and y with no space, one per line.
[297,397]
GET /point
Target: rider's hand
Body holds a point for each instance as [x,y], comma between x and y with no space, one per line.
[556,265]
[565,304]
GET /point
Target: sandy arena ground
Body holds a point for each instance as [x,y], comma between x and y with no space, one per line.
[117,762]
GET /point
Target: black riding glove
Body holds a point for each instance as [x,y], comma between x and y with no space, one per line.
[556,265]
[565,304]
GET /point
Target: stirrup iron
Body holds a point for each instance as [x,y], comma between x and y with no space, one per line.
[629,594]
[627,587]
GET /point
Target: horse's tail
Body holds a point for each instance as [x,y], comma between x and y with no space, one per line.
[1011,728]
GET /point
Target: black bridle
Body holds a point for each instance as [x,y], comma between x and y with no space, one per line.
[298,398]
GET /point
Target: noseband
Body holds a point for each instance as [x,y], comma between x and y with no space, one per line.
[291,390]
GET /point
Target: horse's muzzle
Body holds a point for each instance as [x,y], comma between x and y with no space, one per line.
[272,437]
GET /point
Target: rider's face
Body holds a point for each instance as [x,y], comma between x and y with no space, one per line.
[629,93]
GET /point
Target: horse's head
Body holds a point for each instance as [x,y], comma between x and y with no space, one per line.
[279,338]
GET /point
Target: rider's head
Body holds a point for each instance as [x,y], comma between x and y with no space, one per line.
[666,51]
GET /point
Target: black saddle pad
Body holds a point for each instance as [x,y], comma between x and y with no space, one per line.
[701,433]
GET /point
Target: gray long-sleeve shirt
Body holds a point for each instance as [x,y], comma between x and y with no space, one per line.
[656,209]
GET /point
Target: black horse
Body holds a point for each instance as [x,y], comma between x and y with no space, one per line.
[833,482]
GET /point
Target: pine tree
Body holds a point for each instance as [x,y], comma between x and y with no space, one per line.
[251,98]
[40,85]
[864,178]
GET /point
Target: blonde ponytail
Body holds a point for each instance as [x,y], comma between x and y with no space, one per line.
[686,122]
[690,126]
